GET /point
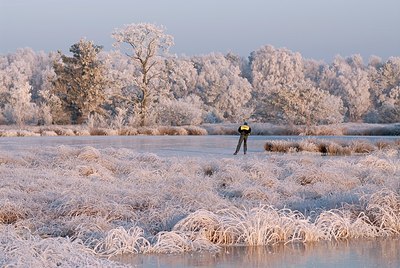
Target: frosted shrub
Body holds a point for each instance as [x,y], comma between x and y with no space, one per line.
[179,112]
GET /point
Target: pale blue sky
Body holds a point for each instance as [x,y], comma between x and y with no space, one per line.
[318,29]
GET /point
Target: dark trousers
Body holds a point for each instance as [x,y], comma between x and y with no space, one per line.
[241,139]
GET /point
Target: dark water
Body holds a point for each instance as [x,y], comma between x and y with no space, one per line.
[382,252]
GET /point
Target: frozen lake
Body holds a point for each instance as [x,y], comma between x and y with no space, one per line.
[170,146]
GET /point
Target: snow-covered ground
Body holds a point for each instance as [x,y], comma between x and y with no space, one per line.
[73,200]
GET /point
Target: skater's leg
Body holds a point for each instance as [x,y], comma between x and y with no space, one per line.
[239,144]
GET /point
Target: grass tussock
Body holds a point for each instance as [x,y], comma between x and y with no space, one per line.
[172,131]
[102,132]
[329,147]
[11,213]
[195,130]
[128,131]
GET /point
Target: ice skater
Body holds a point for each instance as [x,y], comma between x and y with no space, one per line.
[244,131]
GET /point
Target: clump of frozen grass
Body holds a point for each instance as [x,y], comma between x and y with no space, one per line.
[180,242]
[148,131]
[61,131]
[210,169]
[267,225]
[362,147]
[333,148]
[89,153]
[308,145]
[343,224]
[48,133]
[27,133]
[103,132]
[128,131]
[264,225]
[18,133]
[282,146]
[120,241]
[383,208]
[172,131]
[11,212]
[19,248]
[195,130]
[86,170]
[374,163]
[203,221]
[382,145]
[327,147]
[8,133]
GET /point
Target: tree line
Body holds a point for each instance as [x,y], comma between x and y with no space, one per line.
[140,84]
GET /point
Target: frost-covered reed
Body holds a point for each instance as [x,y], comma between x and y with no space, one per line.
[329,147]
[67,205]
[266,129]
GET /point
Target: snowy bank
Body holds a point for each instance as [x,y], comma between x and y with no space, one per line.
[266,129]
[63,205]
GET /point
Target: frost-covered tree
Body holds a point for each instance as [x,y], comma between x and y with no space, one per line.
[348,78]
[146,44]
[286,89]
[224,92]
[80,81]
[305,105]
[385,91]
[20,109]
[16,105]
[271,70]
[275,66]
[185,111]
[122,92]
[180,77]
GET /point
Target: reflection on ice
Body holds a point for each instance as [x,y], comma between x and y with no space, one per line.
[353,253]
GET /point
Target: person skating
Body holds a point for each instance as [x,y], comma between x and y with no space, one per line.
[244,131]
